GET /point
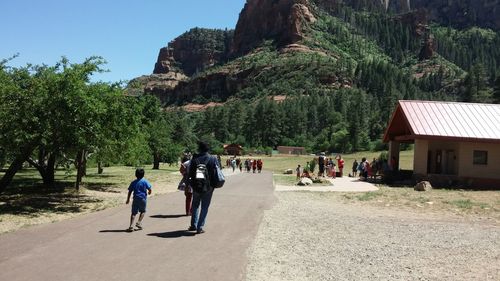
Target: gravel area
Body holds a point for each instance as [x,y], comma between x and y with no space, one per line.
[309,236]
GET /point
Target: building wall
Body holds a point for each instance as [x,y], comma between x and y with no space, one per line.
[420,157]
[445,148]
[467,167]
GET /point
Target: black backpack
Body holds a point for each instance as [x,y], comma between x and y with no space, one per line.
[200,181]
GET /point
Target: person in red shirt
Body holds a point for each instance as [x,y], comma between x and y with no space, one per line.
[340,164]
[259,165]
[254,165]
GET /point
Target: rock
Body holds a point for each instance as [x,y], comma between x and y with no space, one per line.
[423,186]
[427,50]
[278,20]
[156,83]
[194,51]
[288,172]
[320,180]
[305,181]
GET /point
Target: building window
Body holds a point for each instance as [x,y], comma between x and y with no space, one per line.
[480,157]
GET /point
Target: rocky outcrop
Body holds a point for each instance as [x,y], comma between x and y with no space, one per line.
[215,86]
[278,20]
[156,83]
[165,62]
[427,51]
[194,51]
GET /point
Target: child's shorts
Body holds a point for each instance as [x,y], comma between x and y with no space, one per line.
[138,205]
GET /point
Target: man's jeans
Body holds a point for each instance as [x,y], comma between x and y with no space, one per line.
[204,199]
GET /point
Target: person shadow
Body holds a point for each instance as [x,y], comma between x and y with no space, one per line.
[173,234]
[113,230]
[167,216]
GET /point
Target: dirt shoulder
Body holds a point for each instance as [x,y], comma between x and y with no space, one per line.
[339,236]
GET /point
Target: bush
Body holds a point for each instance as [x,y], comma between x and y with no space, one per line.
[384,156]
[312,165]
[379,145]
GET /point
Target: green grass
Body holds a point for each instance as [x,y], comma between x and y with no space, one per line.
[285,179]
[367,196]
[468,204]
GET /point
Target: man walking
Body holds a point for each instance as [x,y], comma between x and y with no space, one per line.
[202,175]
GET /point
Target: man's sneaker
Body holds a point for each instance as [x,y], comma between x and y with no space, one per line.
[139,226]
[192,228]
[200,231]
[130,229]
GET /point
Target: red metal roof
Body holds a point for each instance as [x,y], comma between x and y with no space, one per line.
[452,120]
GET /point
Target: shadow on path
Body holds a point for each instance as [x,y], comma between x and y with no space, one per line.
[113,230]
[167,216]
[173,234]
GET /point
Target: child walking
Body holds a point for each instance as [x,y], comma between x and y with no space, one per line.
[141,189]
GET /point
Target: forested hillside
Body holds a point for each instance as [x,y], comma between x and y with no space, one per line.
[327,74]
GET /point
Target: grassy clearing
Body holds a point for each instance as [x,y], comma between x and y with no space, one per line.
[27,202]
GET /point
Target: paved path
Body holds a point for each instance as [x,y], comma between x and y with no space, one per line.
[95,246]
[343,184]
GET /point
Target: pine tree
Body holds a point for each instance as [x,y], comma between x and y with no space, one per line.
[496,90]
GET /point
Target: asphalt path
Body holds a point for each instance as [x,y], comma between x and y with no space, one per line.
[96,246]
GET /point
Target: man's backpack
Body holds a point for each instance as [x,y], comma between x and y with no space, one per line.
[201,180]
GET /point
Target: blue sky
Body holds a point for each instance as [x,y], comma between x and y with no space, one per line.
[127,33]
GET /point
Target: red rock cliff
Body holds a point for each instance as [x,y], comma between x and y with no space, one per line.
[279,20]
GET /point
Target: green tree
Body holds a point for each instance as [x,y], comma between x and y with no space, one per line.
[496,90]
[476,85]
[20,110]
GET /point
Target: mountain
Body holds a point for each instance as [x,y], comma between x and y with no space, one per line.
[357,57]
[456,13]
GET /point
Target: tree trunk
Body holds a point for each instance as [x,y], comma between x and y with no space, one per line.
[47,171]
[99,168]
[16,165]
[156,161]
[9,174]
[80,166]
[50,170]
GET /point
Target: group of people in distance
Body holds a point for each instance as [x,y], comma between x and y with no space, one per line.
[197,202]
[327,167]
[254,165]
[370,170]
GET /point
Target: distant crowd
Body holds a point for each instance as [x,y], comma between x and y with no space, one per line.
[334,167]
[254,165]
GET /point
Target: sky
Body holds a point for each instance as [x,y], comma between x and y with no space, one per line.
[128,34]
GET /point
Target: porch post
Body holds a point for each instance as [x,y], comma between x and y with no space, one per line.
[394,152]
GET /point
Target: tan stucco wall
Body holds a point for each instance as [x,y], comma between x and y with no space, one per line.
[420,157]
[468,169]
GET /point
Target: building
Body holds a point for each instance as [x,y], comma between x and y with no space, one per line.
[295,150]
[456,144]
[233,149]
